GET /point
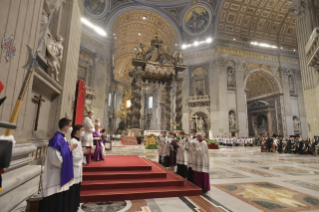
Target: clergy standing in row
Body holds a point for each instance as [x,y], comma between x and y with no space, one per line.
[173,151]
[201,163]
[181,157]
[190,156]
[58,173]
[167,152]
[87,138]
[78,155]
[99,150]
[161,147]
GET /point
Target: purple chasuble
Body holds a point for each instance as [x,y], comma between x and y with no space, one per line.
[60,144]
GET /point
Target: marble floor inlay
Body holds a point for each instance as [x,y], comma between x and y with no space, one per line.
[254,171]
[219,173]
[270,197]
[243,180]
[291,170]
[304,184]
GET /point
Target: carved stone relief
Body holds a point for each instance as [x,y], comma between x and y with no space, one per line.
[54,55]
[296,124]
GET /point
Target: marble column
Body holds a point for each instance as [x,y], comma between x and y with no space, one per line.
[168,89]
[305,23]
[136,98]
[179,105]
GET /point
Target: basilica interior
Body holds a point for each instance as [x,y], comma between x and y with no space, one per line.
[226,68]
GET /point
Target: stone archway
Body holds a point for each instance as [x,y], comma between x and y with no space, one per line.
[264,99]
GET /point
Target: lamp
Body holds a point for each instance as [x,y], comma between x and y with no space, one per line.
[128,103]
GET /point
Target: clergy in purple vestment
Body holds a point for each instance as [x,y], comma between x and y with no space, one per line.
[98,154]
[173,152]
[201,163]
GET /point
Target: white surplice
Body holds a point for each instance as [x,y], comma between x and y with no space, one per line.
[161,145]
[201,159]
[190,153]
[87,138]
[77,160]
[167,147]
[181,156]
[52,173]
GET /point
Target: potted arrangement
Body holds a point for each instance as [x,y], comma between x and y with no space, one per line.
[139,138]
[212,144]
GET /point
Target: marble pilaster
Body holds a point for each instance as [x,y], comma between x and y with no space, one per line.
[305,24]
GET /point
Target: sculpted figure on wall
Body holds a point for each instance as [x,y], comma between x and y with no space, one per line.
[201,125]
[291,84]
[230,77]
[54,55]
[232,120]
[140,52]
[296,124]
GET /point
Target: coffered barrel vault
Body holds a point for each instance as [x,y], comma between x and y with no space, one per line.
[258,20]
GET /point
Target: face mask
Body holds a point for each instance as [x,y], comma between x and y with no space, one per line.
[92,116]
[191,135]
[99,124]
[70,130]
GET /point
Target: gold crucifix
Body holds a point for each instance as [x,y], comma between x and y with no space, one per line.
[174,124]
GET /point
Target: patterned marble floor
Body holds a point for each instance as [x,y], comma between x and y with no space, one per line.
[243,179]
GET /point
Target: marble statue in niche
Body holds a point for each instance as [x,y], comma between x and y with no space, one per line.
[291,84]
[296,123]
[230,77]
[201,125]
[54,55]
[232,120]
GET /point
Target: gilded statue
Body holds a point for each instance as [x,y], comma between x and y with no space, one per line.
[140,52]
[178,58]
[54,55]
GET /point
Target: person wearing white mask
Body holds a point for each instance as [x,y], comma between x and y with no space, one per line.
[161,147]
[87,138]
[181,157]
[190,156]
[58,176]
[78,156]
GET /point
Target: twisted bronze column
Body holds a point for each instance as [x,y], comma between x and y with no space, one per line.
[179,105]
[168,88]
[136,99]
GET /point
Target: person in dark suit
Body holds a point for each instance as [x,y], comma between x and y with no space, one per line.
[268,144]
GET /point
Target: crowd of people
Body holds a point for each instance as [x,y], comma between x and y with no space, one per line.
[62,175]
[294,144]
[187,156]
[233,141]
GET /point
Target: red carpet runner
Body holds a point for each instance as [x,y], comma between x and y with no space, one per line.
[129,177]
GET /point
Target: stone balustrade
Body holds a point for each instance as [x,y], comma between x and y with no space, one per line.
[197,101]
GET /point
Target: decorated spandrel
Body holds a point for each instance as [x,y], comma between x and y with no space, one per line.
[9,47]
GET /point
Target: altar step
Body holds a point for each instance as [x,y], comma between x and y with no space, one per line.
[100,185]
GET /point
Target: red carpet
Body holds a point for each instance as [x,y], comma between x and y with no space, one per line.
[131,177]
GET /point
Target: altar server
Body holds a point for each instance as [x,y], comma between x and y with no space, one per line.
[161,147]
[87,136]
[181,157]
[78,155]
[58,174]
[201,164]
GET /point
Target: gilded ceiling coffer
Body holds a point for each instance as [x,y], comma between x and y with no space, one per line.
[158,66]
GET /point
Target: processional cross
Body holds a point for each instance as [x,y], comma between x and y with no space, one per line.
[39,100]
